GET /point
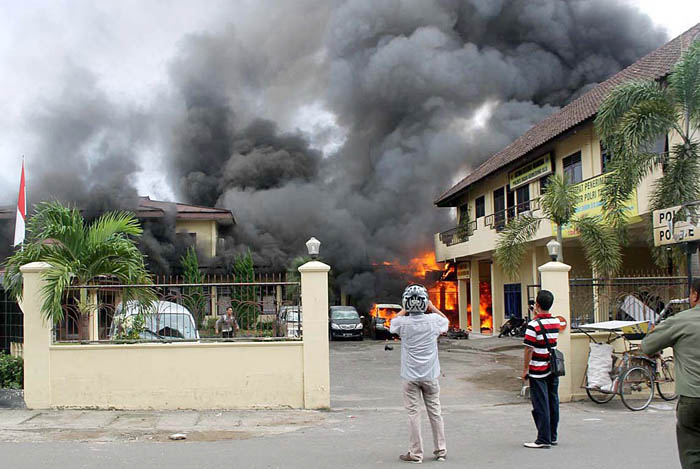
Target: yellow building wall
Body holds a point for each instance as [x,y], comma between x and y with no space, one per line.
[206,231]
[583,139]
[178,376]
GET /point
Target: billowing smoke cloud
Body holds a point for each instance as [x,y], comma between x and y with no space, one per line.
[405,97]
[408,82]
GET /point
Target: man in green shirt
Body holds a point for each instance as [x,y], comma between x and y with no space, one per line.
[682,332]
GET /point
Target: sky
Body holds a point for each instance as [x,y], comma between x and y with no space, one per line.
[129,54]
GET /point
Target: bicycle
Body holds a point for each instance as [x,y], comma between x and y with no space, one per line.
[636,376]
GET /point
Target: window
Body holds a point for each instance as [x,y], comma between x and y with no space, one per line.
[544,182]
[605,157]
[188,239]
[573,169]
[463,213]
[523,195]
[480,203]
[499,208]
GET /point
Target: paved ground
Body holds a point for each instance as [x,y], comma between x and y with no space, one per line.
[486,423]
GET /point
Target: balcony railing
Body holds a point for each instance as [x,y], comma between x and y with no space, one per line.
[498,220]
[458,235]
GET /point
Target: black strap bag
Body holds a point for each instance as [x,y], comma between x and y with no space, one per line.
[556,358]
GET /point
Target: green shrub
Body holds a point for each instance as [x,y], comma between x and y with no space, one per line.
[11,371]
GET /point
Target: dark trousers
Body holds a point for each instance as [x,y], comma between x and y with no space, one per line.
[544,393]
[688,431]
[227,334]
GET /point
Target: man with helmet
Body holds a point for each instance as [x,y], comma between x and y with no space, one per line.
[420,368]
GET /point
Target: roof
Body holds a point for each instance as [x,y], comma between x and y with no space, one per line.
[652,66]
[148,208]
[156,209]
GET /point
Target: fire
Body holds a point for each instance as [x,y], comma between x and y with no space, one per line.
[386,313]
[425,270]
[485,306]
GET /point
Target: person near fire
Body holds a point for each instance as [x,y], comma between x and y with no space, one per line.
[544,385]
[227,324]
[420,368]
[682,332]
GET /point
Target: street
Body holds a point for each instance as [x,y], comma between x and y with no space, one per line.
[486,423]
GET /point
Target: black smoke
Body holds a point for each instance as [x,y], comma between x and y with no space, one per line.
[404,79]
[420,92]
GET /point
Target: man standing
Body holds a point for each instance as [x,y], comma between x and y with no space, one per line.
[682,332]
[227,324]
[542,331]
[420,368]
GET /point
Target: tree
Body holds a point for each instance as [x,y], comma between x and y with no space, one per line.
[194,299]
[79,254]
[245,297]
[600,242]
[631,119]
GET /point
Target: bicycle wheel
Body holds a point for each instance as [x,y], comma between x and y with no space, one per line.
[636,388]
[666,385]
[599,397]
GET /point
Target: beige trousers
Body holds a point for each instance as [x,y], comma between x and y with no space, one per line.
[430,393]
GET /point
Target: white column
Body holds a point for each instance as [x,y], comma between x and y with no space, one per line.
[462,286]
[555,278]
[37,339]
[314,301]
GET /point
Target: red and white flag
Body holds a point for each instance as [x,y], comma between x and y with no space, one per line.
[21,210]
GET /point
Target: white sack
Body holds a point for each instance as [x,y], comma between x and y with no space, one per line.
[599,366]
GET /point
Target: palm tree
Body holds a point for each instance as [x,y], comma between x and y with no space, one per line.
[600,242]
[79,254]
[634,116]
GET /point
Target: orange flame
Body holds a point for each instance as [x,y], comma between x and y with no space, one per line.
[442,293]
[387,313]
[485,306]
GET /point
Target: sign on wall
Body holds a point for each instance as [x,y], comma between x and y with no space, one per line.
[463,270]
[668,231]
[590,203]
[532,171]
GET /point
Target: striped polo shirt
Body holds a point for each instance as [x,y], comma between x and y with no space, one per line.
[535,338]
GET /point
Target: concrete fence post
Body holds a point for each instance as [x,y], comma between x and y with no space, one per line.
[37,339]
[314,300]
[555,278]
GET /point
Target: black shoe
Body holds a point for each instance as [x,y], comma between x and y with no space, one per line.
[554,443]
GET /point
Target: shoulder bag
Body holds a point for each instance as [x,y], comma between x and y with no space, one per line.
[556,358]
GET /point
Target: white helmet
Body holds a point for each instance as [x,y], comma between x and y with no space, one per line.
[415,299]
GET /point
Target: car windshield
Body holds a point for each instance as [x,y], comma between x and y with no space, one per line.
[344,314]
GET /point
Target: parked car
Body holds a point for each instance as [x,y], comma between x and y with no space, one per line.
[289,321]
[380,319]
[345,322]
[164,320]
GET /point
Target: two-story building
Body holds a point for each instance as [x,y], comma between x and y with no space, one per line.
[510,183]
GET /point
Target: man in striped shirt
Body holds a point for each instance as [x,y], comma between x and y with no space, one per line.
[544,385]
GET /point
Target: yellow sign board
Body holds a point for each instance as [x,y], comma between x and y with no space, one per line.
[590,203]
[532,171]
[463,270]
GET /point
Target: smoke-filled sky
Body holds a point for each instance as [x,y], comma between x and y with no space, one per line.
[339,119]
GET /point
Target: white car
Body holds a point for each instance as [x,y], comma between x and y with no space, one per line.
[163,320]
[289,321]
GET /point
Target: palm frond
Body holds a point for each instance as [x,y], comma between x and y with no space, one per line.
[512,243]
[600,245]
[619,102]
[679,183]
[559,200]
[644,122]
[113,224]
[684,82]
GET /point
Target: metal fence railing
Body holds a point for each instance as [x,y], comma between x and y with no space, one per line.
[181,312]
[11,325]
[622,298]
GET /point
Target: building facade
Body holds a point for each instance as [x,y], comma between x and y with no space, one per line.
[510,183]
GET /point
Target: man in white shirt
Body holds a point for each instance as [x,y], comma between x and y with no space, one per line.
[420,368]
